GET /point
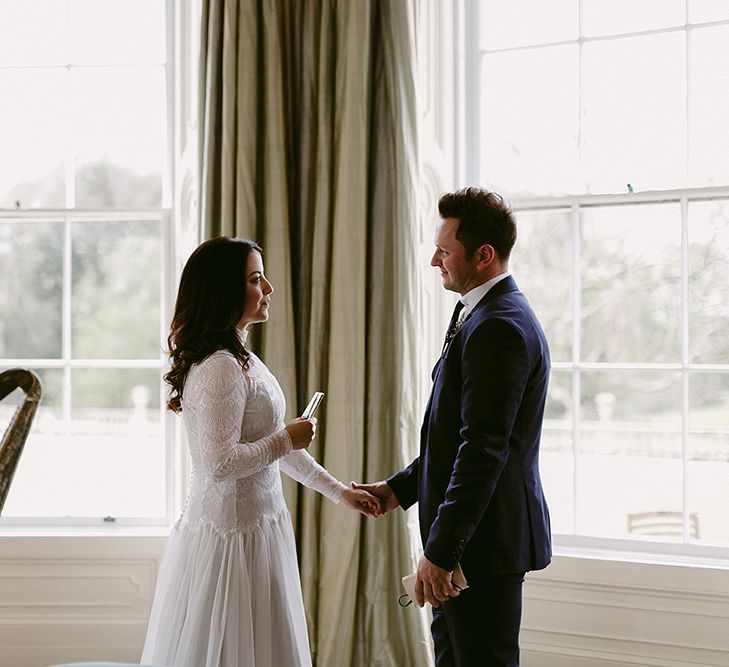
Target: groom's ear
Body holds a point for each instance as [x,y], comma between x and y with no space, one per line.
[485,255]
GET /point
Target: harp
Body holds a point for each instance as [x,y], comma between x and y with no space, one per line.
[13,441]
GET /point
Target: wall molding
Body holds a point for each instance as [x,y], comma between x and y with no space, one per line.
[75,598]
[588,611]
[648,599]
[80,587]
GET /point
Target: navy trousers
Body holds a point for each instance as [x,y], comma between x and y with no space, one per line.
[480,627]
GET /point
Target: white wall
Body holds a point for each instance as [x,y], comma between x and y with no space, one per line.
[66,599]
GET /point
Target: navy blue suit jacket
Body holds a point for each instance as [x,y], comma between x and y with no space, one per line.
[476,480]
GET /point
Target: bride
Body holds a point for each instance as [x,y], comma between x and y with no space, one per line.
[228,591]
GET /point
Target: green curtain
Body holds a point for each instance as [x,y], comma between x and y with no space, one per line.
[308,145]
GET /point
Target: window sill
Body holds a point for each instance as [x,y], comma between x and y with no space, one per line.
[643,552]
[83,531]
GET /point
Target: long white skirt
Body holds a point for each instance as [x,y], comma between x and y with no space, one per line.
[229,601]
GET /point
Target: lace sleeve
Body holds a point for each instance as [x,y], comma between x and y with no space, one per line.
[301,466]
[221,399]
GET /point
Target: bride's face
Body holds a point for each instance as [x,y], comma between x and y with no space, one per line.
[258,291]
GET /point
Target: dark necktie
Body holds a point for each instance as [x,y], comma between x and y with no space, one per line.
[453,326]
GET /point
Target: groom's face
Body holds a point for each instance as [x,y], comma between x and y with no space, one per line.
[458,273]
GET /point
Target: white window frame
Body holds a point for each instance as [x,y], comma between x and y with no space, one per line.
[467,113]
[167,216]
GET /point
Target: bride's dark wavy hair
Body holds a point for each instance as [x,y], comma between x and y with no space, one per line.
[210,303]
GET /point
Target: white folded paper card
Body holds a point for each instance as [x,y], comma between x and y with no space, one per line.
[316,398]
[458,580]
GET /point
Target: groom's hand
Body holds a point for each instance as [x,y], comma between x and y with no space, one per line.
[381,490]
[433,584]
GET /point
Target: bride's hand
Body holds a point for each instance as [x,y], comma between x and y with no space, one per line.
[302,431]
[361,501]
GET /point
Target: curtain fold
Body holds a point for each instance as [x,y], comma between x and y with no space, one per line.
[308,145]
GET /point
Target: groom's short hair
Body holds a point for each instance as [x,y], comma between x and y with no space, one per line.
[483,217]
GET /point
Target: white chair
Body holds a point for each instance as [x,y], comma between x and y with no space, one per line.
[662,524]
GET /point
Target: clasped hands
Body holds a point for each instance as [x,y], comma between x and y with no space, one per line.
[378,498]
[433,584]
[372,500]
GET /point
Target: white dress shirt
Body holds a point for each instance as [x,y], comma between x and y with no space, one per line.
[472,297]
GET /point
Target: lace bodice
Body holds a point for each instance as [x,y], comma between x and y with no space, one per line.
[237,441]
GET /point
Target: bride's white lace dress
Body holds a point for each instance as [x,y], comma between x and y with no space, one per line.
[228,591]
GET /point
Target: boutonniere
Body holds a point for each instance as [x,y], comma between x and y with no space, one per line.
[454,330]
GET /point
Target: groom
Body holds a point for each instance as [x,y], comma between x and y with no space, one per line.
[476,480]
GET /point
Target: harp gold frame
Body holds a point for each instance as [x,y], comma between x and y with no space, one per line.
[13,441]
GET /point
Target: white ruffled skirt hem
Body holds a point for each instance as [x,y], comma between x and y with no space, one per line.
[229,600]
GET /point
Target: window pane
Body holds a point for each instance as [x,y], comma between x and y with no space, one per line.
[33,32]
[529,123]
[709,409]
[631,287]
[32,138]
[635,113]
[630,450]
[114,397]
[116,421]
[541,263]
[31,266]
[621,16]
[709,455]
[117,31]
[708,10]
[111,454]
[709,107]
[556,462]
[709,282]
[641,400]
[120,135]
[503,24]
[116,290]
